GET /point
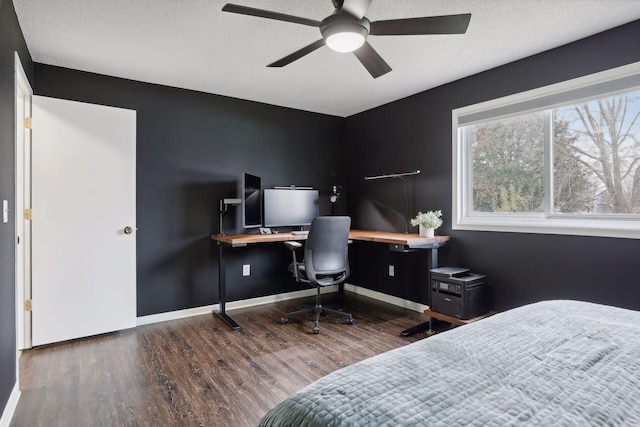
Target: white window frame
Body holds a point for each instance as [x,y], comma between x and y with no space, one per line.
[610,82]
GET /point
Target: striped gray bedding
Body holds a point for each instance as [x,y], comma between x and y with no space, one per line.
[552,363]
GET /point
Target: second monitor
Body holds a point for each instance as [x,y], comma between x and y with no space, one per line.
[290,208]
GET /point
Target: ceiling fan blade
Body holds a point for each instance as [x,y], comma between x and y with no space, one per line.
[373,62]
[357,8]
[448,24]
[244,10]
[298,54]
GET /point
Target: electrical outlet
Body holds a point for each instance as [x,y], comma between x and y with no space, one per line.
[246,269]
[392,270]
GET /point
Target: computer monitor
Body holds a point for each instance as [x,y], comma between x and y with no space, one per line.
[251,201]
[290,208]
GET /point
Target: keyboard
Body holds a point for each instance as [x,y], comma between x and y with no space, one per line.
[300,233]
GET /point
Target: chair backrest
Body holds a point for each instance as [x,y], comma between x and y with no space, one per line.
[326,249]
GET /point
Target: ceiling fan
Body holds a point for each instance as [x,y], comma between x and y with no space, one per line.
[346,30]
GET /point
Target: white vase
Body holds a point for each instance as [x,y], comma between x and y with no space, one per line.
[426,232]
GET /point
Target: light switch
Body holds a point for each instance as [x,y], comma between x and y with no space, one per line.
[5,211]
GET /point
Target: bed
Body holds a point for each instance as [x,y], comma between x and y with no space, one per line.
[552,363]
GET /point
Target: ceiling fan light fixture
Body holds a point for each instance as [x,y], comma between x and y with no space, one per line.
[346,41]
[344,33]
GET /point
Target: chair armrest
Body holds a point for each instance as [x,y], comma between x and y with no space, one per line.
[292,245]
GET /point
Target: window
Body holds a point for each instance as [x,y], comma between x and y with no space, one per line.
[508,164]
[596,147]
[562,159]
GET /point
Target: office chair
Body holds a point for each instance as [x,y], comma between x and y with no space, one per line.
[326,262]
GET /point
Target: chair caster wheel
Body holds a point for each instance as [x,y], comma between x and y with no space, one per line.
[284,320]
[316,330]
[351,321]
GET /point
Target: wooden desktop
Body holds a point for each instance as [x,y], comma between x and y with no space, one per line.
[409,240]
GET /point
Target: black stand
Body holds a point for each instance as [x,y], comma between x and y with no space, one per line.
[425,326]
[222,291]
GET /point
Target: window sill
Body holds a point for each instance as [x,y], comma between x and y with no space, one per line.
[626,229]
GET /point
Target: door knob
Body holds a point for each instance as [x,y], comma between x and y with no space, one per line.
[128,230]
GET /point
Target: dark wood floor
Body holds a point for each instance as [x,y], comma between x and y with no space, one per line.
[196,371]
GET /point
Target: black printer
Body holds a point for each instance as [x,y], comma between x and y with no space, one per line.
[458,293]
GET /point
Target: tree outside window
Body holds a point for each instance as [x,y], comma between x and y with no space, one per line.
[603,141]
[508,165]
[595,148]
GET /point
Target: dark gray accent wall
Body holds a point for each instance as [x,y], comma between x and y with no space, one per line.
[11,40]
[415,133]
[192,149]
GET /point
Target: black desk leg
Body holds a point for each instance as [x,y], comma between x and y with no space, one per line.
[222,290]
[426,326]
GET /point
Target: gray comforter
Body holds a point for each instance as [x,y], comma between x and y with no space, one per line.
[553,363]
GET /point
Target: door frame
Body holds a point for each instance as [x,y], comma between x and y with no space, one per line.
[22,136]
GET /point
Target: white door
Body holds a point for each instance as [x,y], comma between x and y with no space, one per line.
[83,200]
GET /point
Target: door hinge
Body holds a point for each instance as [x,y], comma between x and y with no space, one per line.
[27,214]
[27,122]
[27,305]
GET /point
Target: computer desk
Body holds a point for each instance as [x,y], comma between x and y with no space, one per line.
[398,242]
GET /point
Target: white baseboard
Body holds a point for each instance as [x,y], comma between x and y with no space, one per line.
[409,305]
[179,314]
[10,407]
[173,315]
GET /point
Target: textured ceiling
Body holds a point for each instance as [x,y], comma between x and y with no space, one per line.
[192,44]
